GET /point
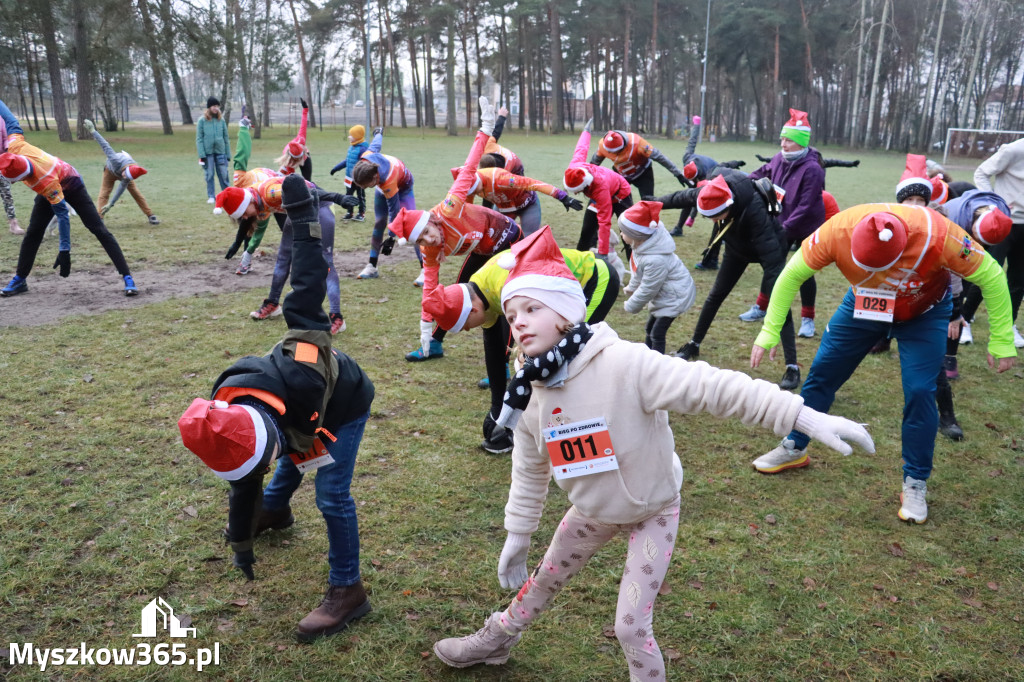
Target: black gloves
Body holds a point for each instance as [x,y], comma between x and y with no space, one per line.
[346,201]
[333,171]
[349,201]
[241,237]
[303,103]
[571,203]
[244,561]
[63,262]
[387,245]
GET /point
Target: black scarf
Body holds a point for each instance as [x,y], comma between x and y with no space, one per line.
[517,397]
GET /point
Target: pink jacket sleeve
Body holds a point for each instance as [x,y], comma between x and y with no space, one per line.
[301,137]
[582,148]
[467,176]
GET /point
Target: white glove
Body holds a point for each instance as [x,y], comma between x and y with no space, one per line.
[89,125]
[486,116]
[832,431]
[426,329]
[512,563]
[589,125]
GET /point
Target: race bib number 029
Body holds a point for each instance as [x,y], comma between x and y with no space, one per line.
[874,304]
[580,449]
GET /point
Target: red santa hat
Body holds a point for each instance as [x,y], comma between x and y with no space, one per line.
[714,197]
[450,306]
[940,191]
[295,149]
[14,167]
[134,171]
[690,171]
[878,241]
[643,217]
[992,227]
[613,141]
[233,440]
[408,225]
[914,181]
[233,201]
[538,271]
[577,179]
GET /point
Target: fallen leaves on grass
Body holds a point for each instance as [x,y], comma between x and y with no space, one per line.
[895,549]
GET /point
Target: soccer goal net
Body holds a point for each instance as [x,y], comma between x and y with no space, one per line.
[975,143]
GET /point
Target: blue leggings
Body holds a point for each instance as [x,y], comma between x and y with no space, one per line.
[922,344]
[284,259]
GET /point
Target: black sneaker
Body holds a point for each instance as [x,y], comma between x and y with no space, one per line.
[500,441]
[949,428]
[791,379]
[690,351]
[678,232]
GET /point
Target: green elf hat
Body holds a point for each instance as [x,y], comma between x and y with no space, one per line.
[797,128]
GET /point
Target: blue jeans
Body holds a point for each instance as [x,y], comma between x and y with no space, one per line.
[220,162]
[922,345]
[333,499]
[283,265]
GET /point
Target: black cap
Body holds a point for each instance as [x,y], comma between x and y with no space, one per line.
[212,102]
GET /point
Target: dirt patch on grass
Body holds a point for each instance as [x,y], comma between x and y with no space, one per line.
[90,292]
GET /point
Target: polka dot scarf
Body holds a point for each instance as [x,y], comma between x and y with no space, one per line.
[542,368]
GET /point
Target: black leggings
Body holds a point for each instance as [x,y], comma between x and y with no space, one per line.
[728,275]
[42,212]
[654,334]
[588,233]
[644,182]
[360,194]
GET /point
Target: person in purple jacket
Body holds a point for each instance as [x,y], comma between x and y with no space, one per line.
[799,180]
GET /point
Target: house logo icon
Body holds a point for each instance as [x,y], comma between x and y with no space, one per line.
[159,613]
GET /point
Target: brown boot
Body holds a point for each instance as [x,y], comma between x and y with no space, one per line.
[340,606]
[270,519]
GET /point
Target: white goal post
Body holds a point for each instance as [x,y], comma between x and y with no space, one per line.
[978,143]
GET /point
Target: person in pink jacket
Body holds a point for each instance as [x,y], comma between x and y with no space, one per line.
[612,451]
[608,192]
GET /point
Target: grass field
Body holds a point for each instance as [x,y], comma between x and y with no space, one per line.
[804,576]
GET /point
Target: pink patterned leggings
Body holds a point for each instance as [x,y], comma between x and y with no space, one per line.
[578,538]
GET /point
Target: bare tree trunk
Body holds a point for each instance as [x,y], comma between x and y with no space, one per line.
[266,72]
[557,71]
[503,45]
[467,82]
[60,114]
[303,61]
[411,45]
[244,67]
[39,88]
[854,123]
[982,38]
[82,75]
[167,37]
[30,77]
[449,75]
[429,114]
[154,61]
[520,69]
[620,109]
[870,138]
[650,86]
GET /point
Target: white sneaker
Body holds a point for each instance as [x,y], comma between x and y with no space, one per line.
[418,282]
[369,272]
[965,335]
[755,314]
[912,499]
[1018,340]
[211,200]
[806,327]
[785,456]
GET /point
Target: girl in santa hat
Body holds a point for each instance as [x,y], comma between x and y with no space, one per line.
[452,228]
[613,452]
[295,154]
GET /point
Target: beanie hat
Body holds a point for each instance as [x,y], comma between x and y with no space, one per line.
[992,227]
[797,128]
[914,181]
[357,133]
[613,141]
[449,306]
[831,205]
[643,218]
[538,271]
[14,167]
[134,171]
[212,102]
[233,201]
[714,197]
[233,440]
[690,171]
[878,241]
[577,179]
[409,224]
[940,191]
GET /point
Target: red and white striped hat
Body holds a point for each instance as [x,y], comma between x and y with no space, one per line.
[538,271]
[233,440]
